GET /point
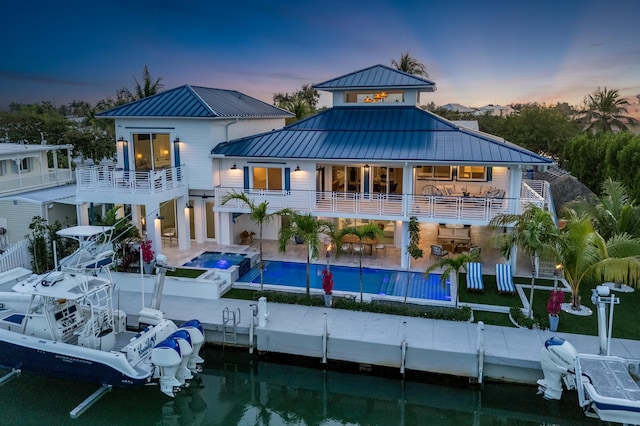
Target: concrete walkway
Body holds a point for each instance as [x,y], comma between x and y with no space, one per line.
[447,347]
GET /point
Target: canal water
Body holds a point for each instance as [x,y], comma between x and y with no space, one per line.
[237,389]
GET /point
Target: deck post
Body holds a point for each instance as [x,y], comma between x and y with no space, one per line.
[480,351]
[403,347]
[92,399]
[253,311]
[262,312]
[324,340]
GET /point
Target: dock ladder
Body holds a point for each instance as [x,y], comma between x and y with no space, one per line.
[230,321]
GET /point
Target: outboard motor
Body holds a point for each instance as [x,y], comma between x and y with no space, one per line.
[184,340]
[558,363]
[167,358]
[194,328]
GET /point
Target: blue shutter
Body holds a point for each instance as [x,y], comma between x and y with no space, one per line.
[125,156]
[366,179]
[246,177]
[489,174]
[287,179]
[176,153]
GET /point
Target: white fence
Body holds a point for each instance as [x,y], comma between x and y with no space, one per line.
[17,255]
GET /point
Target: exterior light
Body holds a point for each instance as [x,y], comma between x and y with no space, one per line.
[234,167]
[159,217]
[297,168]
[366,166]
[177,140]
[189,206]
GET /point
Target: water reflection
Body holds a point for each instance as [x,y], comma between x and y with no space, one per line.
[235,389]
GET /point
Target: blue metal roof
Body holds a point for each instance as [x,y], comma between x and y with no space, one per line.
[197,102]
[377,76]
[389,134]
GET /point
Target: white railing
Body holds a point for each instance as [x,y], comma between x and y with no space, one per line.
[16,255]
[28,181]
[107,178]
[537,192]
[384,205]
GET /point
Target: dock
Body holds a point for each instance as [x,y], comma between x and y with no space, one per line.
[462,349]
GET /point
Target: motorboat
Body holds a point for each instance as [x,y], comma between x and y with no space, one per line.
[63,323]
[95,248]
[608,386]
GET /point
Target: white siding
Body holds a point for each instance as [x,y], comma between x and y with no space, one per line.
[18,218]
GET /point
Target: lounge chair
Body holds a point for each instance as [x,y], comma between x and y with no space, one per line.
[474,276]
[438,251]
[504,278]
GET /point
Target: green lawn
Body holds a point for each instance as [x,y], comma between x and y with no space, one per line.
[186,273]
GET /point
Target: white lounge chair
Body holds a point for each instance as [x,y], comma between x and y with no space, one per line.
[474,276]
[504,278]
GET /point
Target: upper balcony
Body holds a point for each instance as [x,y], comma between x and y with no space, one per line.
[29,182]
[437,208]
[108,178]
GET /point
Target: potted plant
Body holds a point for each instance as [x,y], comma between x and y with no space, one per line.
[554,306]
[147,256]
[327,286]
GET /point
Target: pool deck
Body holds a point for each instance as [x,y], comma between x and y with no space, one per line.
[447,347]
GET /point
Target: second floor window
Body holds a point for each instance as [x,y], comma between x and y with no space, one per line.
[472,173]
[269,178]
[151,151]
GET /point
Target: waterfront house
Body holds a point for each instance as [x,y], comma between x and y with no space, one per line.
[375,156]
[163,168]
[33,183]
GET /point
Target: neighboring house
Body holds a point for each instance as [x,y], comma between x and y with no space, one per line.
[458,108]
[163,167]
[497,110]
[33,184]
[377,157]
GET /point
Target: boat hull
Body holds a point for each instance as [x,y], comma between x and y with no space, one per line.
[69,362]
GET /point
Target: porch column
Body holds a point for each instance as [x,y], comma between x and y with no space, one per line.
[136,218]
[199,219]
[404,243]
[154,227]
[515,186]
[224,228]
[182,222]
[82,213]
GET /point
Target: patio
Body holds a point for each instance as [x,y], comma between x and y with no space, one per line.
[389,258]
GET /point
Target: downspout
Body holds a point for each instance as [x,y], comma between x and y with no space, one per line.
[226,129]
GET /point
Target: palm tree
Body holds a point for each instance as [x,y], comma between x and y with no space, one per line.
[605,110]
[148,87]
[307,228]
[370,231]
[258,214]
[585,254]
[410,65]
[615,213]
[453,264]
[534,231]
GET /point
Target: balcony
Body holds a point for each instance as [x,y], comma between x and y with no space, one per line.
[476,210]
[29,182]
[107,178]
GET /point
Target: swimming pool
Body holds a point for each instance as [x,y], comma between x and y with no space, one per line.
[220,260]
[374,281]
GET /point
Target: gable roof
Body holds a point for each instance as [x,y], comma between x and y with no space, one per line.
[386,133]
[377,76]
[197,102]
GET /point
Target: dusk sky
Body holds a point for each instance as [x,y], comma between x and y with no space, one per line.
[478,53]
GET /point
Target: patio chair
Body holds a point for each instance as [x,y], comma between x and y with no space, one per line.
[169,233]
[474,276]
[438,251]
[504,279]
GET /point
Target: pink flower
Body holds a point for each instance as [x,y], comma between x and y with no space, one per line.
[554,304]
[147,251]
[327,281]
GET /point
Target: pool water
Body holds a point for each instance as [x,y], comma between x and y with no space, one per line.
[219,260]
[374,281]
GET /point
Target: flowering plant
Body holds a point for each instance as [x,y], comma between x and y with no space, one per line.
[554,304]
[147,251]
[327,281]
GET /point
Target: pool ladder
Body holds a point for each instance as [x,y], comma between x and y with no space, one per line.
[230,321]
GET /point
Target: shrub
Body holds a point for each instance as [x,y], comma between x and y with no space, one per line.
[554,304]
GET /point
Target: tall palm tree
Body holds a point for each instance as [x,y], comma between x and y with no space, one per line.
[148,87]
[370,231]
[258,214]
[453,264]
[307,228]
[605,110]
[534,231]
[585,254]
[410,65]
[615,213]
